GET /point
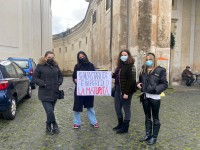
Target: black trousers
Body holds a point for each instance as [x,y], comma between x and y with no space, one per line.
[49,109]
[121,103]
[151,107]
[189,80]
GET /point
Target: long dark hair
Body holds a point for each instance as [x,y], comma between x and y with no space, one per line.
[130,59]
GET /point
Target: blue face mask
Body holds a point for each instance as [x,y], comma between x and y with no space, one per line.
[149,63]
[124,58]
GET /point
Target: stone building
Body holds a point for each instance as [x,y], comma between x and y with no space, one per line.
[25,28]
[138,25]
[185,26]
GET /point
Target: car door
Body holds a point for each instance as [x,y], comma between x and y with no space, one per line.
[10,73]
[24,81]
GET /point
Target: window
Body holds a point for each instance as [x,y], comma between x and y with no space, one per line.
[22,63]
[79,44]
[108,4]
[19,71]
[86,40]
[72,46]
[52,50]
[59,50]
[33,65]
[174,4]
[94,17]
[8,71]
[65,49]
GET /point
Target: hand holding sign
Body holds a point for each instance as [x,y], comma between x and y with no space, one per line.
[97,83]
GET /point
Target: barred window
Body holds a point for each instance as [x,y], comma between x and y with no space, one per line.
[174,4]
[94,17]
[79,44]
[108,4]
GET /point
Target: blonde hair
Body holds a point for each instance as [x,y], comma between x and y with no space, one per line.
[153,57]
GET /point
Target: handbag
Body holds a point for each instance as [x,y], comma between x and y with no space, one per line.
[61,94]
[113,91]
[142,97]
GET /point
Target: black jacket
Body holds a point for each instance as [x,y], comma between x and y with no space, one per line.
[155,82]
[126,78]
[82,101]
[48,78]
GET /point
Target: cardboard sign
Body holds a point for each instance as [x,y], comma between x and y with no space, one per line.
[97,83]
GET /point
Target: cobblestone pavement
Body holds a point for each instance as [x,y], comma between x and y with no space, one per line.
[179,116]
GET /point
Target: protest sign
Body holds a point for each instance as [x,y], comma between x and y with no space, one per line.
[97,83]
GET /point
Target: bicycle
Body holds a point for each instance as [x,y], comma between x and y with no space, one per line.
[196,78]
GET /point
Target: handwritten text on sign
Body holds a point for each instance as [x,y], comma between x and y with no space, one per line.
[94,83]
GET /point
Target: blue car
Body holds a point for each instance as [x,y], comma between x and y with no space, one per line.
[14,86]
[28,65]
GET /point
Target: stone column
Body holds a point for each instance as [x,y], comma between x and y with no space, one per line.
[154,28]
[120,29]
[196,54]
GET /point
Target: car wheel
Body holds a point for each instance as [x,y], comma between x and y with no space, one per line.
[29,92]
[11,112]
[33,86]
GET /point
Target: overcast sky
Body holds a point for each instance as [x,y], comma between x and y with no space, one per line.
[67,13]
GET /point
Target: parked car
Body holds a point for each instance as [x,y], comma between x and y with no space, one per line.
[14,86]
[28,65]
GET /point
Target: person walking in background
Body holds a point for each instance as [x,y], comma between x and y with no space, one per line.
[48,77]
[152,82]
[83,64]
[125,84]
[188,76]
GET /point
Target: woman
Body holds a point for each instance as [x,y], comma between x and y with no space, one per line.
[83,64]
[125,84]
[152,82]
[48,77]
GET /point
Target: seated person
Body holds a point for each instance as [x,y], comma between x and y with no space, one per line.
[188,76]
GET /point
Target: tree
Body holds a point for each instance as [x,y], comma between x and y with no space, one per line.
[172,41]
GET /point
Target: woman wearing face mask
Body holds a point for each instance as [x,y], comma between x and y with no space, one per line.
[124,76]
[152,82]
[48,77]
[83,64]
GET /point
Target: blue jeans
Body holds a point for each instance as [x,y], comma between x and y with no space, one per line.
[91,116]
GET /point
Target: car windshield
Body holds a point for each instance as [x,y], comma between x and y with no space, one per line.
[22,63]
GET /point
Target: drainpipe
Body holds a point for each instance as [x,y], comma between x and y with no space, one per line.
[41,24]
[111,32]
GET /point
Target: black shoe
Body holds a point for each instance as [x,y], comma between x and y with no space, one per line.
[121,131]
[55,129]
[145,138]
[49,129]
[118,127]
[124,128]
[151,141]
[120,124]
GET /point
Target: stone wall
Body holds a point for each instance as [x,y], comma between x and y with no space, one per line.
[25,29]
[185,27]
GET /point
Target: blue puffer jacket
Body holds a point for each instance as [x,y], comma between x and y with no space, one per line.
[155,82]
